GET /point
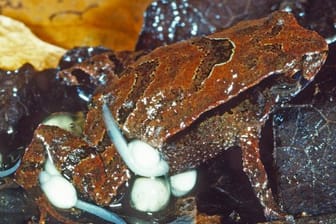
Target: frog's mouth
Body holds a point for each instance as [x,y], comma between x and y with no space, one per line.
[140,157]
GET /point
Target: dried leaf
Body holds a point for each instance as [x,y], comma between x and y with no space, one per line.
[18,45]
[114,24]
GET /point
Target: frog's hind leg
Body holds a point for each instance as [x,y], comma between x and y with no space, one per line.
[254,169]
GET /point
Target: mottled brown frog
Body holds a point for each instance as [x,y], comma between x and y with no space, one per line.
[191,100]
[194,99]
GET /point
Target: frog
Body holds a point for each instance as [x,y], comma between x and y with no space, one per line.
[212,93]
[186,103]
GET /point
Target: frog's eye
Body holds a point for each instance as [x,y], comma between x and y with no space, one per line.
[62,194]
[139,156]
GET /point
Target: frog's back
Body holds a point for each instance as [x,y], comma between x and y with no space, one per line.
[165,91]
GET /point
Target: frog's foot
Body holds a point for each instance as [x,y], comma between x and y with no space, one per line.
[62,194]
[5,173]
[139,156]
[254,169]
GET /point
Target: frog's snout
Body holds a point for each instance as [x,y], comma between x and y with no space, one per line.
[312,63]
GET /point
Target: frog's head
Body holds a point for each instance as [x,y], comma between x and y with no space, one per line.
[288,49]
[297,48]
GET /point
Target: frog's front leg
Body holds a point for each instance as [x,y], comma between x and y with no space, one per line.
[254,169]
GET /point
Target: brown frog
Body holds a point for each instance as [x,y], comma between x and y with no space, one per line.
[188,102]
[192,100]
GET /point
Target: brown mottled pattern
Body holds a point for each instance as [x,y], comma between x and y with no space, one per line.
[237,123]
[144,76]
[32,164]
[96,175]
[276,44]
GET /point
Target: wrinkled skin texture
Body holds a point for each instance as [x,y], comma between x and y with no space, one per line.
[94,71]
[189,100]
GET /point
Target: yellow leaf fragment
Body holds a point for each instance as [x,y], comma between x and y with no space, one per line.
[18,45]
[112,23]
